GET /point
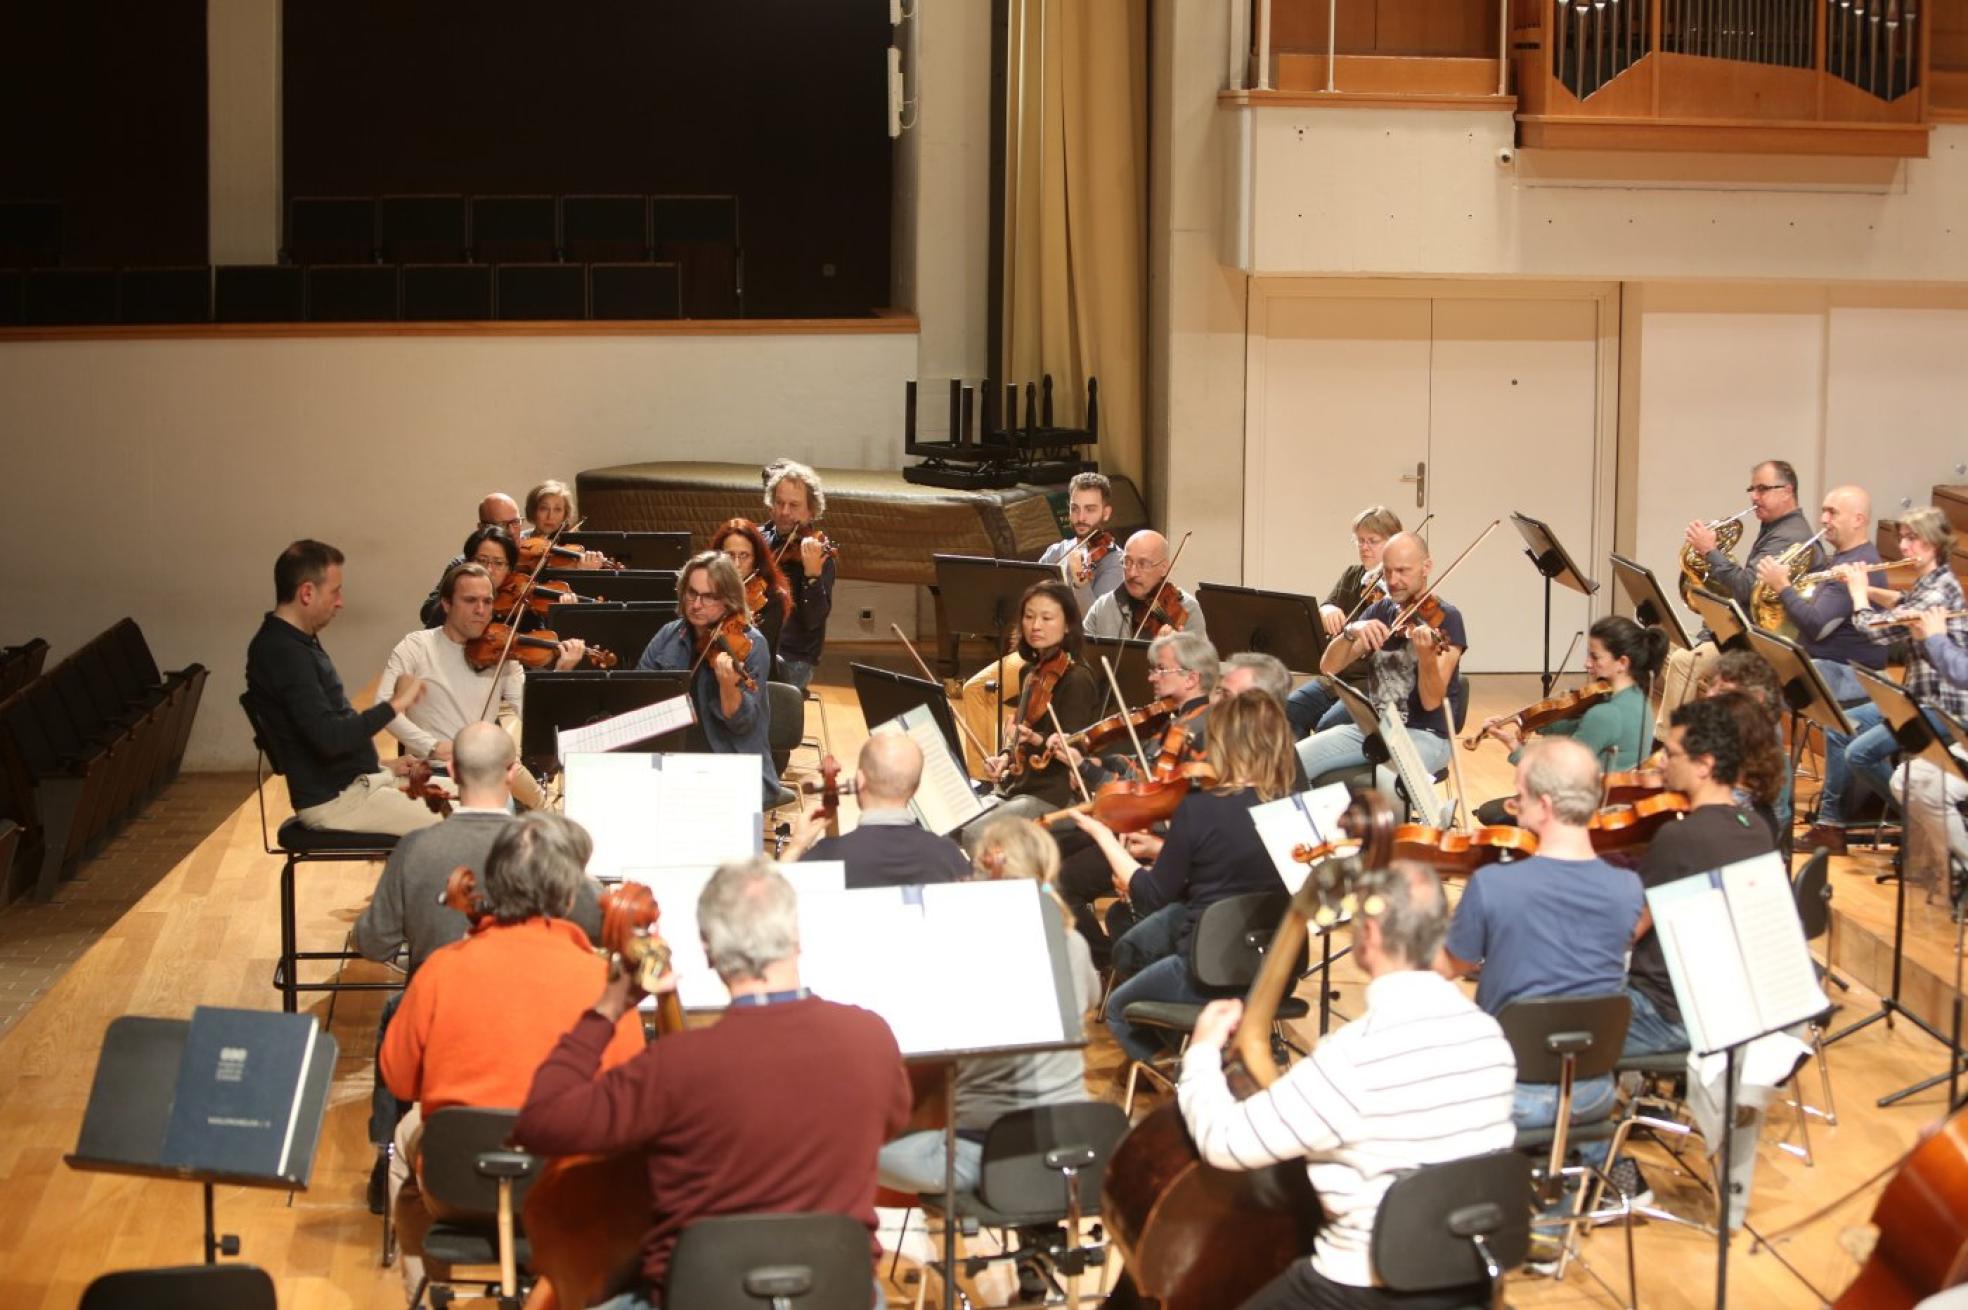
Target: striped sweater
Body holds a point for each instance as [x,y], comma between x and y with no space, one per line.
[1422,1077]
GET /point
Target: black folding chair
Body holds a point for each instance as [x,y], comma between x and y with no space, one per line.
[785,1261]
[184,1287]
[1459,1224]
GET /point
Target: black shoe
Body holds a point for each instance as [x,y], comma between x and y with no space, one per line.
[1032,1285]
[379,1183]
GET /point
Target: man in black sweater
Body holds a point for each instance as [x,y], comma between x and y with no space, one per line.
[888,848]
[793,494]
[324,744]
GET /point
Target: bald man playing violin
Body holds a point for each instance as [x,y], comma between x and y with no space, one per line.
[1130,610]
[1412,667]
[457,693]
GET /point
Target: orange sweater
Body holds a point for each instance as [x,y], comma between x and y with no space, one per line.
[482,1014]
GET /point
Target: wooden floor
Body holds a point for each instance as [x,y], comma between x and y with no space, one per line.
[207,933]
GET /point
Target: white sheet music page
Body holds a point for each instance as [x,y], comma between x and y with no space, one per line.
[627,729]
[944,800]
[1763,906]
[1309,818]
[676,892]
[1699,943]
[644,810]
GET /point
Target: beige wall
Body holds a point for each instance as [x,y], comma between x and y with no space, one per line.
[242,83]
[167,474]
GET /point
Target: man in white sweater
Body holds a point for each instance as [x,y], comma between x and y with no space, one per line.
[457,694]
[1421,1078]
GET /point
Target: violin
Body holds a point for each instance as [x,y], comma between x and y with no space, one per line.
[1165,608]
[1134,806]
[418,784]
[1143,718]
[731,636]
[1624,827]
[1630,785]
[1544,712]
[789,549]
[1424,613]
[536,553]
[1455,851]
[755,593]
[535,650]
[1091,550]
[539,597]
[1041,679]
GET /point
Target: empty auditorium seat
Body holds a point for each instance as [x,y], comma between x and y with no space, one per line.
[165,295]
[446,292]
[30,233]
[68,297]
[258,293]
[421,229]
[604,229]
[514,230]
[700,235]
[542,291]
[352,293]
[331,230]
[12,280]
[634,291]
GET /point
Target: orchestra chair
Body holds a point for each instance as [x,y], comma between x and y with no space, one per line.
[788,710]
[785,1261]
[1812,892]
[1225,954]
[297,844]
[1563,1040]
[183,1287]
[462,1208]
[1449,1225]
[1042,1167]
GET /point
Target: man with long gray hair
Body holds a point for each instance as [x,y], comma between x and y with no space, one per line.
[780,1107]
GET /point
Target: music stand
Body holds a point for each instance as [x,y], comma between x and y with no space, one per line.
[128,1119]
[1723,618]
[624,629]
[637,550]
[572,698]
[1548,556]
[1651,608]
[978,596]
[1804,692]
[1917,739]
[633,585]
[1278,623]
[1130,660]
[885,694]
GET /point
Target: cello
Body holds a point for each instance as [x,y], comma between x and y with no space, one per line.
[1196,1237]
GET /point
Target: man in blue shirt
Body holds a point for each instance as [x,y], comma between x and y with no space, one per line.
[1557,924]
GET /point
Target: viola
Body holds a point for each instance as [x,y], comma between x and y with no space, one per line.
[1455,851]
[1116,727]
[731,636]
[1041,679]
[539,597]
[418,784]
[1630,785]
[534,650]
[1134,806]
[537,552]
[1624,827]
[1166,608]
[1424,613]
[755,594]
[789,549]
[1545,712]
[1091,551]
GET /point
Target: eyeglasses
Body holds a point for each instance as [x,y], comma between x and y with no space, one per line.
[1129,564]
[1765,488]
[1157,671]
[695,597]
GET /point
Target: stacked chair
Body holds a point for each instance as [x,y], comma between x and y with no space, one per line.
[84,746]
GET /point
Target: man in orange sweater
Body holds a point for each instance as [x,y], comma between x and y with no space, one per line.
[481,1014]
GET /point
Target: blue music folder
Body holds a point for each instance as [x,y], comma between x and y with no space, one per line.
[241,1082]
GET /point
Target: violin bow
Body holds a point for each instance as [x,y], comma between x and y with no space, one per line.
[1408,610]
[519,606]
[1174,559]
[910,646]
[1079,783]
[1135,737]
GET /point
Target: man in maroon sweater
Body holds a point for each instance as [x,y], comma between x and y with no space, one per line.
[731,1118]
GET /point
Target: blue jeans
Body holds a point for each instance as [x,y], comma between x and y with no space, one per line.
[1842,683]
[1307,705]
[1155,937]
[1648,1032]
[384,1109]
[1344,746]
[913,1163]
[1866,754]
[1165,980]
[795,673]
[1535,1105]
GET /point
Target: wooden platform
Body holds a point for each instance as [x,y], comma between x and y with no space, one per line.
[206,933]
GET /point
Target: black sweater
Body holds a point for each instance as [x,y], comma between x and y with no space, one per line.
[322,742]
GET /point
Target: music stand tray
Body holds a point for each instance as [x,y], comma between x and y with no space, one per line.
[573,698]
[1130,660]
[1651,608]
[636,550]
[1722,616]
[1279,623]
[885,694]
[1549,557]
[624,629]
[1803,686]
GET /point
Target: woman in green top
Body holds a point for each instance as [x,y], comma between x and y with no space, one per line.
[1618,729]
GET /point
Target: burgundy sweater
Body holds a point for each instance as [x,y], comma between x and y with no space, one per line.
[773,1109]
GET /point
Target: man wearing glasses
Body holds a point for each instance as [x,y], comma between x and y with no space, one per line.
[735,717]
[1132,610]
[1773,498]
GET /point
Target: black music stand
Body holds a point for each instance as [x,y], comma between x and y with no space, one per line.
[637,550]
[885,694]
[1130,660]
[1548,556]
[978,596]
[1651,607]
[634,585]
[1805,693]
[1917,739]
[1276,623]
[1723,618]
[624,629]
[573,698]
[128,1118]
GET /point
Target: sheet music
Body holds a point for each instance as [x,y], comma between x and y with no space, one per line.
[626,729]
[945,800]
[1698,940]
[1308,818]
[1423,795]
[647,810]
[1782,979]
[676,892]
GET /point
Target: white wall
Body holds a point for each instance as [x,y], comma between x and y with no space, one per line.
[159,478]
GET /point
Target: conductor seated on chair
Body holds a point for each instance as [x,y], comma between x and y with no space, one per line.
[1422,1077]
[1557,924]
[482,1013]
[887,848]
[779,1107]
[323,743]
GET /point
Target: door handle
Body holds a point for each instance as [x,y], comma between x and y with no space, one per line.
[1420,478]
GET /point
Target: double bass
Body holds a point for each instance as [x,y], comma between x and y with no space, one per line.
[1196,1237]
